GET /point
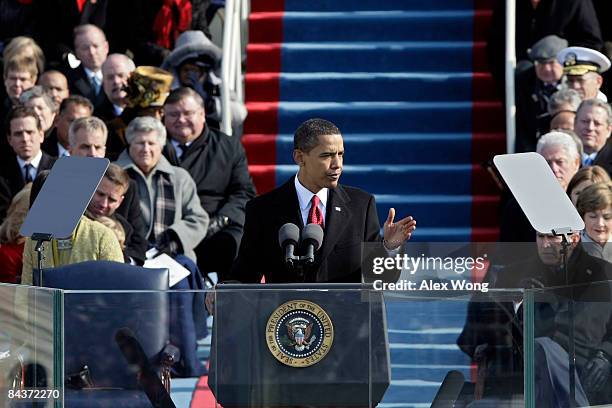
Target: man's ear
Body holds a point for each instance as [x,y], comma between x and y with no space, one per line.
[575,239]
[298,157]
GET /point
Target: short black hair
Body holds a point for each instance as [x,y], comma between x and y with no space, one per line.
[306,136]
[18,112]
[76,100]
[179,94]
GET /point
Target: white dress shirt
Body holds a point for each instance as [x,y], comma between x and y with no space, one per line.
[305,197]
[35,162]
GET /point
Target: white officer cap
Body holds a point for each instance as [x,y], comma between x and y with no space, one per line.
[580,60]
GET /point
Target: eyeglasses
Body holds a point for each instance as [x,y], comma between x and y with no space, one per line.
[177,115]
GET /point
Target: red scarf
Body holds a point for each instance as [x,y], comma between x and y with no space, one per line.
[173,18]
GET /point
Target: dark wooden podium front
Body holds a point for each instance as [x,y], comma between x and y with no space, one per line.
[244,373]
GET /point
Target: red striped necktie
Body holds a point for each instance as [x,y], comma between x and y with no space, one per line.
[315,216]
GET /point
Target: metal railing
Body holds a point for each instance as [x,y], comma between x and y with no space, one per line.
[510,66]
[236,15]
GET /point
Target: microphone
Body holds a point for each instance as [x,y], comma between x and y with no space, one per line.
[288,237]
[312,237]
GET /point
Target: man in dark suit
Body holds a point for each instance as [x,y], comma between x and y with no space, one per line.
[19,75]
[347,215]
[218,165]
[91,49]
[115,73]
[123,22]
[25,135]
[493,333]
[534,87]
[593,125]
[71,109]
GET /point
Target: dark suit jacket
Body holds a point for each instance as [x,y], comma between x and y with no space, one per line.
[129,211]
[106,111]
[49,146]
[604,157]
[218,165]
[121,20]
[350,219]
[11,179]
[79,85]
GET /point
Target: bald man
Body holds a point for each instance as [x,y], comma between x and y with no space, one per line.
[115,72]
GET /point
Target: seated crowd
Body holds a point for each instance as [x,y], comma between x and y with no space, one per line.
[176,184]
[563,115]
[161,128]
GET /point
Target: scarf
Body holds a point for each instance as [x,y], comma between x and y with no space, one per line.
[165,206]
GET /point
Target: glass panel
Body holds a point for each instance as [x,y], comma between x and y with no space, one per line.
[122,347]
[30,346]
[573,334]
[455,347]
[391,348]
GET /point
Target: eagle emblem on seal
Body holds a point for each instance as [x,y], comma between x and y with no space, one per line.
[299,333]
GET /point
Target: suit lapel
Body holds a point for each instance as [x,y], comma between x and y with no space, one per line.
[170,153]
[17,180]
[337,218]
[289,205]
[46,162]
[82,83]
[197,153]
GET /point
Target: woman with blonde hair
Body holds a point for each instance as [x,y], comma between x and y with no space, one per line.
[595,207]
[11,241]
[23,46]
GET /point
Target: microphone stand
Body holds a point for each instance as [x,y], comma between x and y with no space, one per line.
[40,239]
[565,245]
[300,265]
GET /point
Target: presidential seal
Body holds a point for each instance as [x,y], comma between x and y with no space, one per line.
[299,333]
